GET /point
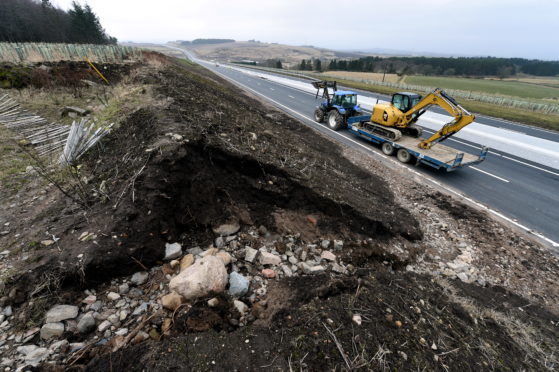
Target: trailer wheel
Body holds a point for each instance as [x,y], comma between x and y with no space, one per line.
[387,148]
[403,155]
[335,120]
[318,115]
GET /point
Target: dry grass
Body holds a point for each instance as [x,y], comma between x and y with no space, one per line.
[524,335]
[376,76]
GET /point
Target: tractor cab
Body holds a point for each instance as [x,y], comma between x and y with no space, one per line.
[404,101]
[344,99]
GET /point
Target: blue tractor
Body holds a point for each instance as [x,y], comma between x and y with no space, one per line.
[337,106]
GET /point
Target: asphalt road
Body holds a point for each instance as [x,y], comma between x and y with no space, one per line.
[522,191]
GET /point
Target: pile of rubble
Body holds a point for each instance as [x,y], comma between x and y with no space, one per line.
[236,268]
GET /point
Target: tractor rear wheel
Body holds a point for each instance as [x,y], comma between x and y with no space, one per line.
[403,155]
[318,115]
[335,120]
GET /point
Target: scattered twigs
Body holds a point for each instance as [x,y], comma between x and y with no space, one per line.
[340,347]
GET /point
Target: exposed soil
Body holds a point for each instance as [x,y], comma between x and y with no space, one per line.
[202,153]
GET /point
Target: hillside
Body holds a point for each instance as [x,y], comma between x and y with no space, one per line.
[257,51]
[229,236]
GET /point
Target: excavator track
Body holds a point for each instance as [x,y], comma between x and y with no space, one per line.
[389,133]
[414,131]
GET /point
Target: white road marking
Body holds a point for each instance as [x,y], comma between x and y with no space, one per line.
[530,165]
[423,176]
[272,89]
[291,96]
[490,174]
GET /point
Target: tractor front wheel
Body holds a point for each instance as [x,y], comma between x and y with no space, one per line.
[335,120]
[318,115]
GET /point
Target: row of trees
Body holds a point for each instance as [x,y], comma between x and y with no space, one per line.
[311,65]
[40,21]
[474,66]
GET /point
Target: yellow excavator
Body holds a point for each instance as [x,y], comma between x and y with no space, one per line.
[393,119]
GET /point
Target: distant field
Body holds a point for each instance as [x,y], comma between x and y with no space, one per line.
[502,87]
[392,78]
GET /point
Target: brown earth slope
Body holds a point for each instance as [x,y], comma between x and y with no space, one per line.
[195,152]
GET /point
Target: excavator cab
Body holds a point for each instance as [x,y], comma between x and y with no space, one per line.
[404,101]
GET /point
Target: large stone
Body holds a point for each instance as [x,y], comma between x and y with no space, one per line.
[269,259]
[52,330]
[171,301]
[172,251]
[238,284]
[203,277]
[225,257]
[227,229]
[139,278]
[241,307]
[37,356]
[61,312]
[86,323]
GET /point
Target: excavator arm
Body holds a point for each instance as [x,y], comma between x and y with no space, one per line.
[438,97]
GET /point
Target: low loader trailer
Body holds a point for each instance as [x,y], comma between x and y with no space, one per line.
[407,148]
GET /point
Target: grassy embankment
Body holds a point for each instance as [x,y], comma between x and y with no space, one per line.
[540,90]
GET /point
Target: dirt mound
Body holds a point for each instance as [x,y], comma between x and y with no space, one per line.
[408,322]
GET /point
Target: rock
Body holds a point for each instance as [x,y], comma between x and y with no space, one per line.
[328,256]
[90,300]
[73,111]
[293,260]
[325,244]
[171,301]
[122,332]
[174,263]
[250,254]
[86,323]
[52,330]
[286,270]
[269,259]
[213,302]
[172,251]
[219,242]
[26,349]
[141,309]
[113,296]
[195,251]
[227,229]
[114,319]
[123,314]
[338,268]
[338,245]
[140,336]
[139,278]
[204,276]
[312,220]
[98,305]
[59,344]
[238,284]
[357,319]
[8,311]
[104,326]
[268,273]
[154,334]
[35,357]
[463,277]
[123,288]
[317,269]
[225,257]
[186,261]
[61,312]
[47,242]
[398,324]
[240,306]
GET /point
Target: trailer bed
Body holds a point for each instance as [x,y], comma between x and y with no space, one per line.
[439,156]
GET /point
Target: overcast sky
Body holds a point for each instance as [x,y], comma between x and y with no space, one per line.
[507,28]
